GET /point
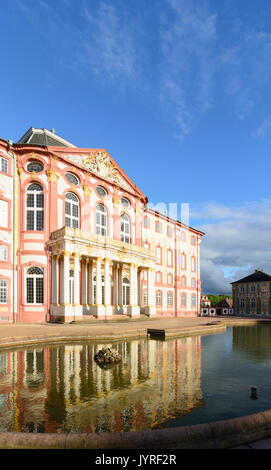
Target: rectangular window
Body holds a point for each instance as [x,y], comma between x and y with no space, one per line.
[169,231]
[146,222]
[3,213]
[183,300]
[4,165]
[170,299]
[183,261]
[193,264]
[3,291]
[253,303]
[169,258]
[3,253]
[242,303]
[158,298]
[193,301]
[159,254]
[158,277]
[145,297]
[158,227]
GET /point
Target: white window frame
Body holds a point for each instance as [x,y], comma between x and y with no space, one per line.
[125,228]
[125,291]
[193,301]
[73,205]
[3,253]
[35,209]
[193,264]
[101,220]
[159,277]
[34,276]
[158,298]
[183,297]
[3,213]
[3,291]
[170,299]
[4,165]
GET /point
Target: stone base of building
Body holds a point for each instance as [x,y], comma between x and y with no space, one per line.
[133,311]
[149,310]
[100,311]
[66,313]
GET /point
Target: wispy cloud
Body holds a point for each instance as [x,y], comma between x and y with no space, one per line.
[263,128]
[188,66]
[108,44]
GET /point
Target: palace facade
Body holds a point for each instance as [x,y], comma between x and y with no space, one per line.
[77,238]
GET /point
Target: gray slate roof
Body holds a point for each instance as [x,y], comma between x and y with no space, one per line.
[257,276]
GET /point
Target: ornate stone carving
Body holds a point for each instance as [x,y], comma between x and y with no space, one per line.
[52,176]
[100,163]
[87,190]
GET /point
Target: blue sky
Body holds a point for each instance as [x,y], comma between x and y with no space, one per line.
[177,91]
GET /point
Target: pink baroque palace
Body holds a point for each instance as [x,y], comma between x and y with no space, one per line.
[77,238]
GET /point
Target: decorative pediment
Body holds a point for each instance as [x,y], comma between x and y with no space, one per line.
[99,162]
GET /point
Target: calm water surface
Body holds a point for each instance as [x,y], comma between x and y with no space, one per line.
[158,383]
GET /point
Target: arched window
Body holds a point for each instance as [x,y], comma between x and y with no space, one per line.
[34,285]
[72,206]
[183,281]
[126,291]
[34,207]
[101,220]
[125,228]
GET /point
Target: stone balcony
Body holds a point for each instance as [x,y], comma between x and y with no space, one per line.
[91,245]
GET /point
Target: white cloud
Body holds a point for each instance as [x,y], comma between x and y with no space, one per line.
[236,242]
[263,128]
[188,66]
[108,44]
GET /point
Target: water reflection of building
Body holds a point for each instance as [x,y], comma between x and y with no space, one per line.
[62,388]
[254,340]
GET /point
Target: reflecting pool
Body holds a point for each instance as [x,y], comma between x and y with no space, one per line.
[60,388]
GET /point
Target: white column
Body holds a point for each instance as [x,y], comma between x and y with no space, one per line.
[135,286]
[85,282]
[107,286]
[98,282]
[65,300]
[120,286]
[116,286]
[90,283]
[55,279]
[139,286]
[76,279]
[132,287]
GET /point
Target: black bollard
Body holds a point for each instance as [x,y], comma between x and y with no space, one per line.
[253,392]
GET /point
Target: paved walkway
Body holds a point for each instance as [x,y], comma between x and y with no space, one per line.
[111,329]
